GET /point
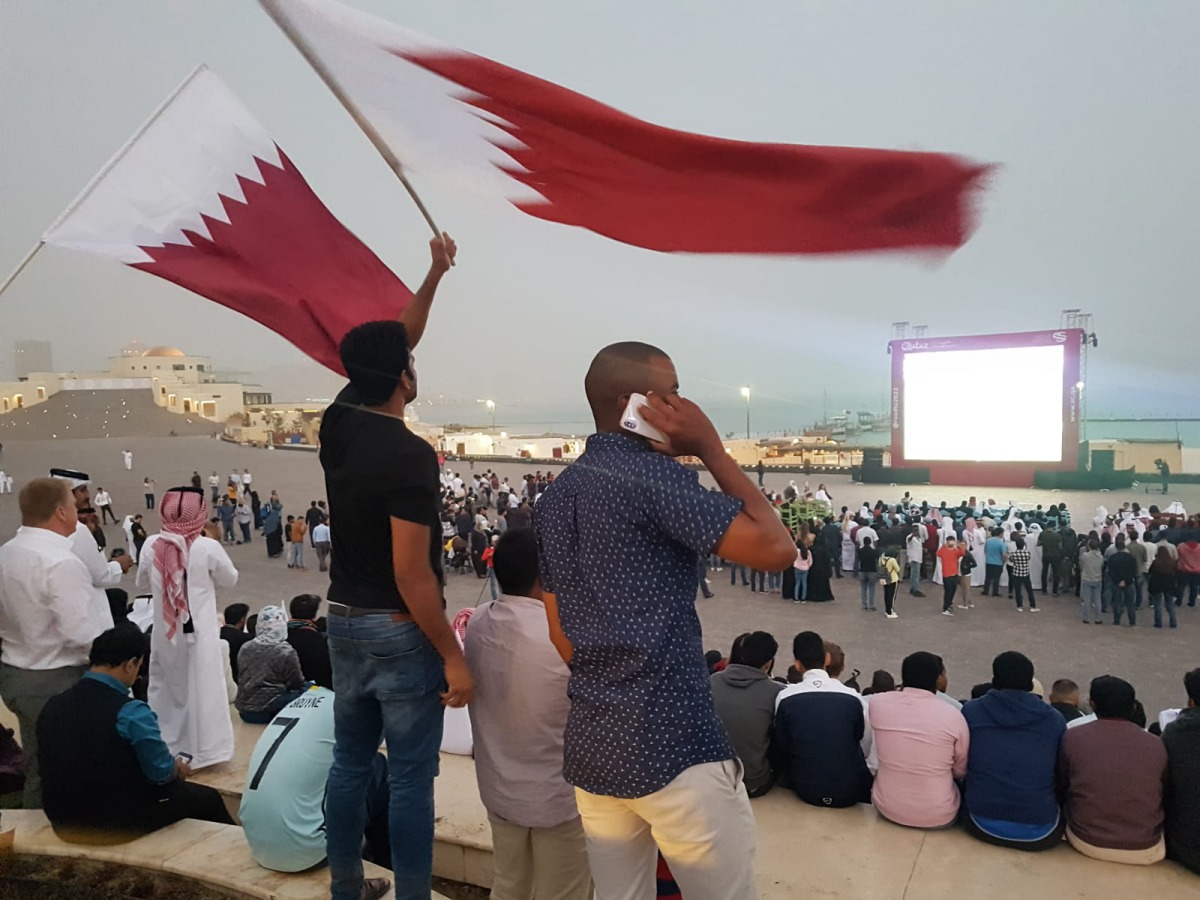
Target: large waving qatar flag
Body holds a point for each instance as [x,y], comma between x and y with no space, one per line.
[202,197]
[564,157]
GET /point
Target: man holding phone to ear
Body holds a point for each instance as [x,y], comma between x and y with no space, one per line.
[619,535]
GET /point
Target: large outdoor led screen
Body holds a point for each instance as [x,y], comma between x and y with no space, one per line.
[952,411]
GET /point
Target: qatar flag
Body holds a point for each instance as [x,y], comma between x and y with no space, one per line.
[563,157]
[202,197]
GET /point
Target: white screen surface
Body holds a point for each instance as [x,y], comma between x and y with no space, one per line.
[1003,405]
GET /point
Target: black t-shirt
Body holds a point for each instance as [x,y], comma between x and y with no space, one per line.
[375,469]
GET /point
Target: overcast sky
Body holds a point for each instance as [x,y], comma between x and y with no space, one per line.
[1089,108]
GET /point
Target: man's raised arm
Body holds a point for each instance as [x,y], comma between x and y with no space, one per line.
[416,315]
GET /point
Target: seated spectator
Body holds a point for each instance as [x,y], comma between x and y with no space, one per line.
[269,675]
[881,682]
[744,696]
[233,632]
[921,746]
[283,808]
[943,683]
[309,641]
[1009,794]
[518,716]
[1182,801]
[104,764]
[837,666]
[1064,696]
[821,732]
[1111,774]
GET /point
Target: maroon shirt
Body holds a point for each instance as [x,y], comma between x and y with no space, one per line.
[1112,773]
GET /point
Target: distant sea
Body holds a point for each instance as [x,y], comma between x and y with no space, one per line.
[766,423]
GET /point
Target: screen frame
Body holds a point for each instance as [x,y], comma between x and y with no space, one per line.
[1015,472]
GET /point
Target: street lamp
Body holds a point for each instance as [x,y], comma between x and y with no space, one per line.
[746,394]
[491,405]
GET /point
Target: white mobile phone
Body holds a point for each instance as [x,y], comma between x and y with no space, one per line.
[632,420]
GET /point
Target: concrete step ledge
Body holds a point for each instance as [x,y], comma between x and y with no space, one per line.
[212,854]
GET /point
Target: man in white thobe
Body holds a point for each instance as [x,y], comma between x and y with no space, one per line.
[186,682]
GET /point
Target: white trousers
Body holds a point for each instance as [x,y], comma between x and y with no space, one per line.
[701,822]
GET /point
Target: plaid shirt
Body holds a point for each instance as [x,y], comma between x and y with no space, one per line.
[1019,560]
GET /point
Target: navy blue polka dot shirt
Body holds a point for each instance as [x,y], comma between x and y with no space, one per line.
[619,533]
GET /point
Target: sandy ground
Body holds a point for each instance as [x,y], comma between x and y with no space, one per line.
[1060,646]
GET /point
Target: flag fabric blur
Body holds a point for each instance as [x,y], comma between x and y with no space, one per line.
[560,156]
[203,197]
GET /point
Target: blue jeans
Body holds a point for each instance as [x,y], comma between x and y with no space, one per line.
[386,677]
[914,577]
[1123,598]
[801,584]
[774,580]
[866,585]
[758,580]
[296,557]
[734,568]
[1089,598]
[492,582]
[1158,601]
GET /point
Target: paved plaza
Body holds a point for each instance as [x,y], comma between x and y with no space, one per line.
[1060,646]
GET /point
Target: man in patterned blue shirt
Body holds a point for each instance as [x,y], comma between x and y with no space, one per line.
[619,534]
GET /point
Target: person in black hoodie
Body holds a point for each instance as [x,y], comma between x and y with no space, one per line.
[308,641]
[744,696]
[1182,796]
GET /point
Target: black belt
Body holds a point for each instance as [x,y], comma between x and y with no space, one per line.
[350,612]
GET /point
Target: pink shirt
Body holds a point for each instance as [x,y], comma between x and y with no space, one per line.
[1189,556]
[803,561]
[921,745]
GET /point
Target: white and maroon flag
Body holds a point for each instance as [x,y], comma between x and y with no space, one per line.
[203,197]
[566,158]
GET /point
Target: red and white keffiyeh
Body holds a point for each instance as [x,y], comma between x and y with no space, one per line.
[184,512]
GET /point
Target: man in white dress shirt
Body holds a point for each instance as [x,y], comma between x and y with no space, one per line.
[105,573]
[518,718]
[47,620]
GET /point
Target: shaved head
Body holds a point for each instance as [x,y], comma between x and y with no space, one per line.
[619,370]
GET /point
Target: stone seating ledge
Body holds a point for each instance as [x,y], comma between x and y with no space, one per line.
[205,852]
[804,851]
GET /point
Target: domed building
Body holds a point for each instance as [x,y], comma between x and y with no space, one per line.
[179,383]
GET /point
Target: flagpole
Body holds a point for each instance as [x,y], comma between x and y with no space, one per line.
[133,139]
[360,120]
[21,266]
[104,170]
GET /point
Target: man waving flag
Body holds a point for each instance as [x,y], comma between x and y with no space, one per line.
[566,158]
[202,197]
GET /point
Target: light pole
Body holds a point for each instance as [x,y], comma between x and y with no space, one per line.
[746,394]
[491,405]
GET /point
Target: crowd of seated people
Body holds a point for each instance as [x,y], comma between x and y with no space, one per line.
[1007,766]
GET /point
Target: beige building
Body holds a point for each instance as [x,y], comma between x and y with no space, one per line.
[187,385]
